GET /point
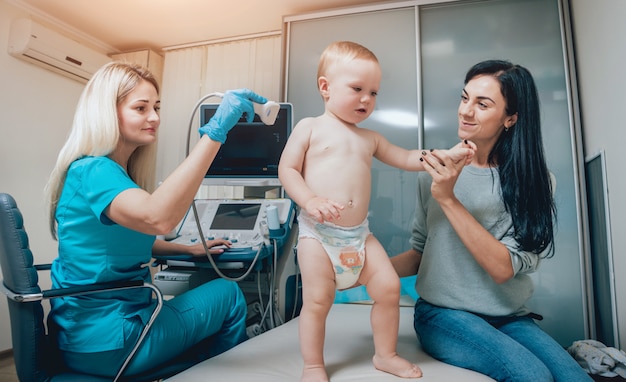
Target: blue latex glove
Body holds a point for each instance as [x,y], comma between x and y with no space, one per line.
[233,105]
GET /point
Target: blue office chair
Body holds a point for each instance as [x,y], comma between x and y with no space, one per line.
[36,355]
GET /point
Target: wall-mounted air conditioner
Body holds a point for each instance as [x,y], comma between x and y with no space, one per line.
[42,46]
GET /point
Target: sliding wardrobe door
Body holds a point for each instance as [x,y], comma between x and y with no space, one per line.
[527,32]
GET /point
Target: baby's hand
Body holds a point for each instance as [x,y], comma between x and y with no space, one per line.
[322,209]
[463,151]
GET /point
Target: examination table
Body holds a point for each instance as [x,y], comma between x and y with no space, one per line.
[274,356]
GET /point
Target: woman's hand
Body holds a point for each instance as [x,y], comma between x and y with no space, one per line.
[444,171]
[235,103]
[197,250]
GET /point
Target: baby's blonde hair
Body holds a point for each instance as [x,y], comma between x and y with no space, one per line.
[342,51]
[95,130]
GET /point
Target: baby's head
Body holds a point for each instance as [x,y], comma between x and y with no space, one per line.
[342,52]
[353,71]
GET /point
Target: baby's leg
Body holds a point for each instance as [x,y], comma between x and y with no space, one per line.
[318,294]
[383,286]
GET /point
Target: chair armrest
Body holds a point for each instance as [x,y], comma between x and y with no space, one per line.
[43,267]
[93,288]
[85,289]
[71,291]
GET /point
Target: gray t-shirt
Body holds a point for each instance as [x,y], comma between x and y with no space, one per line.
[448,274]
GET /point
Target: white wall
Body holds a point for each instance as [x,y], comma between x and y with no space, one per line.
[600,43]
[36,111]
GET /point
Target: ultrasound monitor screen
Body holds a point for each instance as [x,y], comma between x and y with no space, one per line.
[236,216]
[251,149]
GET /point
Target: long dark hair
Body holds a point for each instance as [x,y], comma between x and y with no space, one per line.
[524,177]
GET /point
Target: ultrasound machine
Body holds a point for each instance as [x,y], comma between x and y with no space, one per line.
[262,230]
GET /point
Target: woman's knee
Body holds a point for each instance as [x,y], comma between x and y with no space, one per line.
[227,289]
[524,371]
[235,295]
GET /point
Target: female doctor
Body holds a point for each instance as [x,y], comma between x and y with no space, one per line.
[106,221]
[480,230]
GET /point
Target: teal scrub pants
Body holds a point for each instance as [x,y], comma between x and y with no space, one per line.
[202,322]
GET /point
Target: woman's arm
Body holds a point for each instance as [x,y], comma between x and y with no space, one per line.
[168,248]
[159,212]
[407,263]
[490,253]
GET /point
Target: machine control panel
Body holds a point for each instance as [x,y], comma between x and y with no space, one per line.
[243,222]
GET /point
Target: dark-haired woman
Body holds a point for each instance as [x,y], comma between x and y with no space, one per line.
[480,230]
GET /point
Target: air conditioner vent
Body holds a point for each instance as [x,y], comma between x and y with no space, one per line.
[42,46]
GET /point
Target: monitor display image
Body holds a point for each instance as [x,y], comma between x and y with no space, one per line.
[251,151]
[236,216]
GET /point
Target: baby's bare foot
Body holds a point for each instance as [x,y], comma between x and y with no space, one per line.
[314,374]
[397,366]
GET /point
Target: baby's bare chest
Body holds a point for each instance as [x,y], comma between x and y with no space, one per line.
[342,145]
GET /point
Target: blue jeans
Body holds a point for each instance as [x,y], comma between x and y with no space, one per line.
[512,349]
[198,324]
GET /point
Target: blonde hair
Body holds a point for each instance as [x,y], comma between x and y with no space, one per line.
[339,51]
[95,130]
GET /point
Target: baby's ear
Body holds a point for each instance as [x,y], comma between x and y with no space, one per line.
[322,86]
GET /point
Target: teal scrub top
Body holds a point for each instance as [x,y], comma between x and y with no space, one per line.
[93,249]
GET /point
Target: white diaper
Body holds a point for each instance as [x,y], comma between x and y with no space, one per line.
[345,246]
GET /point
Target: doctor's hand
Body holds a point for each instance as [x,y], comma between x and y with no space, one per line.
[234,104]
[197,250]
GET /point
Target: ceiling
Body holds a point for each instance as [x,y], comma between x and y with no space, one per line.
[126,25]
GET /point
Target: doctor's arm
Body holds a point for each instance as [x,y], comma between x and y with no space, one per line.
[159,212]
[168,248]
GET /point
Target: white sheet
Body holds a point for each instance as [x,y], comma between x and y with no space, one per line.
[274,356]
